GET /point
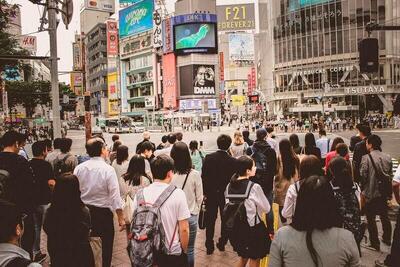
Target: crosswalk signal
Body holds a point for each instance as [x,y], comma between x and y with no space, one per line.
[369,55]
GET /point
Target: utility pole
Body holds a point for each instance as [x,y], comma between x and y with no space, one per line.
[52,16]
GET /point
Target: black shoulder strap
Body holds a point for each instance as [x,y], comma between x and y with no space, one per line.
[18,262]
[375,168]
[295,187]
[187,175]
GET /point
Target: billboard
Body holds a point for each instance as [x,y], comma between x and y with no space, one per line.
[76,54]
[238,100]
[241,47]
[167,36]
[169,80]
[297,4]
[197,104]
[76,82]
[136,18]
[100,5]
[195,38]
[236,17]
[197,80]
[29,43]
[112,38]
[157,30]
[113,105]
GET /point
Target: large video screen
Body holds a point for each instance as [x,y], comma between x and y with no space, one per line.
[297,4]
[195,38]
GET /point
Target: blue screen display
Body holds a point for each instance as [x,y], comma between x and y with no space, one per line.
[297,4]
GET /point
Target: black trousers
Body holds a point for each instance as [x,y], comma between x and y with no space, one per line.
[378,206]
[212,206]
[172,260]
[103,227]
[29,234]
[393,259]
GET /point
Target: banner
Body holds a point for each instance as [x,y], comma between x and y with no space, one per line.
[241,47]
[113,103]
[238,100]
[157,30]
[203,80]
[28,43]
[169,80]
[221,67]
[112,38]
[167,36]
[100,5]
[136,18]
[236,17]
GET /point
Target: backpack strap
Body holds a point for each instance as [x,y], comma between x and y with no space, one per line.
[140,197]
[297,189]
[187,175]
[164,196]
[18,262]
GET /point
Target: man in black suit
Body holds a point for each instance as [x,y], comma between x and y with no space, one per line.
[354,140]
[218,168]
[360,150]
[146,137]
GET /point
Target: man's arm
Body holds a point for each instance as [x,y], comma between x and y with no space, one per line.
[205,174]
[396,191]
[115,196]
[184,234]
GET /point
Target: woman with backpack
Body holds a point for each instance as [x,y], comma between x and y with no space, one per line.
[347,195]
[67,225]
[189,180]
[287,174]
[196,155]
[246,202]
[239,146]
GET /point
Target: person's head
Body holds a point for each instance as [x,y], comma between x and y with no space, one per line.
[294,140]
[193,145]
[11,223]
[115,137]
[164,139]
[10,141]
[57,143]
[270,130]
[245,167]
[336,141]
[316,209]
[39,149]
[136,169]
[342,150]
[95,147]
[224,142]
[238,138]
[261,134]
[179,136]
[309,166]
[122,154]
[310,140]
[49,145]
[181,156]
[116,145]
[245,134]
[171,138]
[65,145]
[340,172]
[66,195]
[162,168]
[365,131]
[201,76]
[22,140]
[374,142]
[290,161]
[322,132]
[146,149]
[146,135]
[358,126]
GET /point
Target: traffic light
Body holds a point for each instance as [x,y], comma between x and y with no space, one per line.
[369,55]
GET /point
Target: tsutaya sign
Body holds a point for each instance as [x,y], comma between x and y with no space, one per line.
[365,90]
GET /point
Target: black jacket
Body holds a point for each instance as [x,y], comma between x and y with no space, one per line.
[354,140]
[265,179]
[360,150]
[138,146]
[218,168]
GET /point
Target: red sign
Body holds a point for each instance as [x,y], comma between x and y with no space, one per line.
[253,78]
[169,81]
[249,86]
[167,36]
[221,66]
[112,38]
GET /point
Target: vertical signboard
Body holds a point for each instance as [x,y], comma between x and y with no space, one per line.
[112,38]
[167,36]
[5,101]
[157,30]
[76,54]
[113,107]
[76,82]
[249,86]
[169,80]
[253,78]
[221,66]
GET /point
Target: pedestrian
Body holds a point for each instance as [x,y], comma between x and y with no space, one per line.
[163,144]
[376,167]
[146,138]
[51,157]
[179,136]
[189,180]
[147,150]
[174,212]
[271,138]
[316,223]
[287,174]
[355,138]
[310,147]
[360,150]
[18,184]
[295,142]
[100,192]
[22,144]
[239,146]
[248,235]
[215,179]
[196,155]
[309,166]
[120,164]
[44,181]
[11,232]
[333,153]
[246,137]
[167,149]
[67,225]
[113,153]
[324,145]
[114,139]
[49,145]
[65,161]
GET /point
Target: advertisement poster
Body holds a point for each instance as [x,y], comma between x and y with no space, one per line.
[236,17]
[167,36]
[197,35]
[100,5]
[157,30]
[238,100]
[169,80]
[113,107]
[203,80]
[136,18]
[28,43]
[112,38]
[297,4]
[241,47]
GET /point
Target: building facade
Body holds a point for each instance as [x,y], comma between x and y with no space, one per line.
[316,60]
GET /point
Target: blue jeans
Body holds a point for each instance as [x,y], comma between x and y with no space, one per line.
[38,216]
[192,239]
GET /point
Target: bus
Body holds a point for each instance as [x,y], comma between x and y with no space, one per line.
[121,124]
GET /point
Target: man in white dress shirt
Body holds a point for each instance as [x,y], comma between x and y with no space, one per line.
[167,150]
[100,192]
[324,144]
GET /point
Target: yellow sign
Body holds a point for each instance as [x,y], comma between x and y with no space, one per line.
[238,100]
[113,105]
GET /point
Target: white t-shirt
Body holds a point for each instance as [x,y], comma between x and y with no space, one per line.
[174,209]
[396,177]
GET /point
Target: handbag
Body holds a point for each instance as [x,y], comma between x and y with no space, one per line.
[128,209]
[95,244]
[202,215]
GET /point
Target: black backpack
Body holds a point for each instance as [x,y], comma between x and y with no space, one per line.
[18,262]
[5,185]
[60,166]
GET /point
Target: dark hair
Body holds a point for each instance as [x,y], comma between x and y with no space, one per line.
[181,156]
[65,145]
[171,138]
[269,129]
[309,166]
[146,145]
[38,148]
[261,134]
[94,147]
[116,145]
[375,141]
[316,208]
[115,137]
[294,140]
[10,217]
[365,130]
[10,138]
[336,141]
[22,138]
[56,143]
[224,142]
[136,169]
[309,142]
[290,161]
[243,164]
[48,143]
[245,134]
[122,154]
[340,171]
[193,145]
[342,150]
[179,136]
[322,132]
[161,165]
[164,138]
[358,126]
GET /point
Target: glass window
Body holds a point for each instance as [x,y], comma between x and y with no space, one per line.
[304,47]
[339,42]
[298,40]
[346,41]
[334,43]
[327,44]
[367,11]
[359,13]
[321,44]
[345,13]
[374,10]
[315,45]
[352,10]
[309,46]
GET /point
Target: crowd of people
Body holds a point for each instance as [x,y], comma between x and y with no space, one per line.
[161,195]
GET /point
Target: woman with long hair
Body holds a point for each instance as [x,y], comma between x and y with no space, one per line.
[309,166]
[239,146]
[189,180]
[113,153]
[120,164]
[135,177]
[337,141]
[196,155]
[67,225]
[287,174]
[310,147]
[295,142]
[315,237]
